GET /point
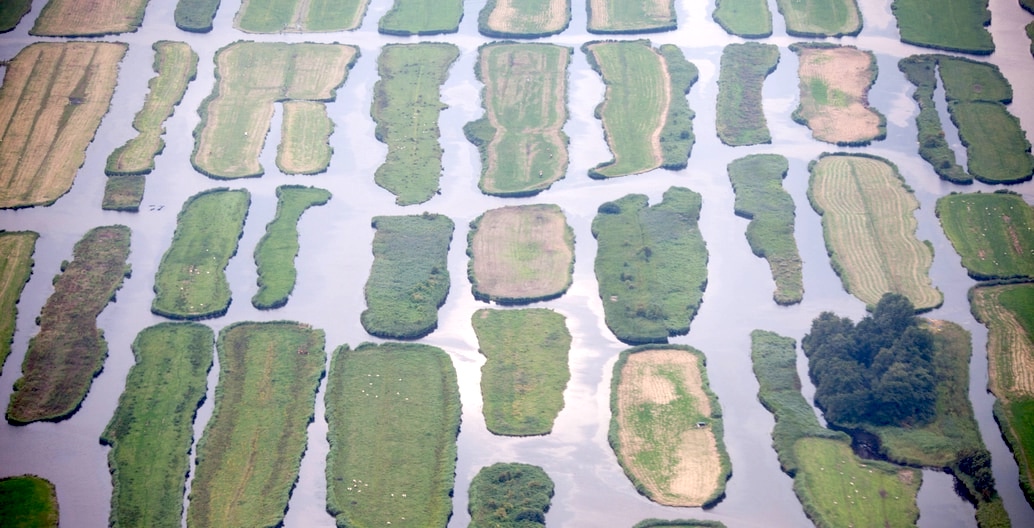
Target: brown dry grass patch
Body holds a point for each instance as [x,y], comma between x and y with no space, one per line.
[834,94]
[71,18]
[1010,350]
[515,16]
[603,18]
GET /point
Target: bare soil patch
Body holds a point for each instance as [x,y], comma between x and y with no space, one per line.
[834,94]
[515,16]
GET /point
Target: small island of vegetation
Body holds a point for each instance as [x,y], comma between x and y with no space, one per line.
[195,16]
[11,13]
[16,249]
[510,495]
[70,18]
[741,115]
[280,16]
[630,16]
[524,18]
[744,18]
[834,101]
[421,17]
[28,501]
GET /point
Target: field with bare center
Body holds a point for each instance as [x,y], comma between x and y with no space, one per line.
[521,254]
[525,17]
[624,16]
[834,103]
[67,87]
[666,427]
[89,18]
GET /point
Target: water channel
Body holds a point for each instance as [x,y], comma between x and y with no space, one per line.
[335,259]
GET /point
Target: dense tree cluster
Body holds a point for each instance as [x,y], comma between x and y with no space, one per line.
[879,371]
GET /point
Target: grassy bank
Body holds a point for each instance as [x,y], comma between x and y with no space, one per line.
[67,87]
[677,135]
[510,495]
[195,16]
[741,116]
[421,17]
[524,18]
[406,106]
[520,254]
[191,280]
[393,413]
[276,251]
[409,278]
[175,65]
[666,426]
[151,432]
[757,181]
[523,381]
[69,18]
[868,221]
[28,501]
[11,13]
[69,349]
[522,145]
[16,263]
[280,16]
[744,18]
[834,88]
[821,18]
[617,16]
[236,116]
[248,458]
[993,233]
[651,264]
[959,25]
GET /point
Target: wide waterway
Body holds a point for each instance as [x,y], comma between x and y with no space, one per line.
[335,258]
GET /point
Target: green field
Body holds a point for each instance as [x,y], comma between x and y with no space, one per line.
[280,16]
[523,380]
[393,414]
[744,18]
[406,106]
[16,263]
[651,264]
[993,233]
[757,181]
[524,18]
[677,135]
[28,501]
[276,251]
[69,349]
[996,146]
[249,455]
[11,13]
[920,70]
[195,16]
[741,117]
[821,18]
[409,278]
[509,496]
[955,25]
[151,432]
[176,65]
[191,280]
[869,224]
[421,17]
[305,147]
[523,147]
[630,16]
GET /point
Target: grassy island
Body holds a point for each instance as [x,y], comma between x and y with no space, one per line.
[741,116]
[191,280]
[523,147]
[422,17]
[276,251]
[67,87]
[69,349]
[630,16]
[520,254]
[757,181]
[992,232]
[920,70]
[744,18]
[821,18]
[524,18]
[651,264]
[510,496]
[393,413]
[282,16]
[250,78]
[523,381]
[666,426]
[409,278]
[869,225]
[834,84]
[70,18]
[956,25]
[152,429]
[16,250]
[11,13]
[28,501]
[195,16]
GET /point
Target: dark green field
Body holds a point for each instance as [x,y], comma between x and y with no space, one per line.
[510,496]
[958,25]
[28,501]
[741,118]
[994,233]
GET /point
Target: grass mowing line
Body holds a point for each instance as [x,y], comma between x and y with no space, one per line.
[522,145]
[869,225]
[744,18]
[28,501]
[393,414]
[666,426]
[406,106]
[175,65]
[11,13]
[630,16]
[195,16]
[993,233]
[250,78]
[959,25]
[757,181]
[16,250]
[191,280]
[51,103]
[421,17]
[520,254]
[276,251]
[651,265]
[834,88]
[524,18]
[509,495]
[69,349]
[151,431]
[70,18]
[523,381]
[280,16]
[821,18]
[248,458]
[409,277]
[740,119]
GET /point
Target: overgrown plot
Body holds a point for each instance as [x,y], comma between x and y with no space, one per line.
[71,18]
[11,13]
[393,413]
[521,254]
[28,501]
[16,249]
[248,458]
[279,16]
[195,16]
[955,25]
[67,87]
[630,16]
[834,103]
[821,18]
[744,18]
[69,349]
[422,17]
[741,117]
[524,18]
[151,432]
[509,495]
[993,233]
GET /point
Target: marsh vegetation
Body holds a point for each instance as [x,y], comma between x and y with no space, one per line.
[510,495]
[740,119]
